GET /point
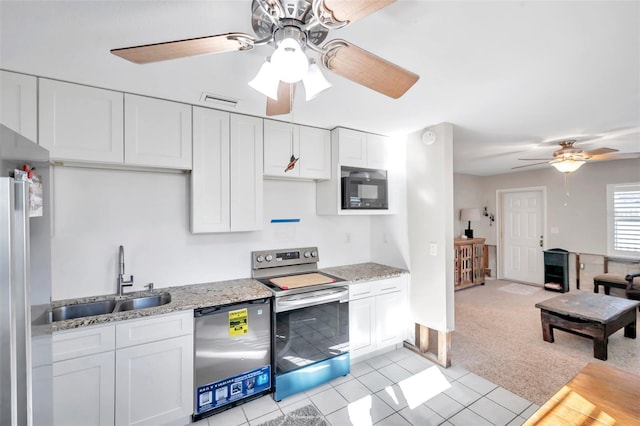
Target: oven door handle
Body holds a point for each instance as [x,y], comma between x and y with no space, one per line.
[311,299]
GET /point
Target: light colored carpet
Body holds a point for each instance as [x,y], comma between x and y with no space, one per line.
[498,336]
[303,416]
[526,290]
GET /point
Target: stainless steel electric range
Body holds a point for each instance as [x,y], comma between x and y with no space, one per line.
[311,319]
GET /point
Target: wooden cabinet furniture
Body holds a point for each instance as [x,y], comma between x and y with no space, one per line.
[310,144]
[469,262]
[81,123]
[19,103]
[136,372]
[376,312]
[226,180]
[157,133]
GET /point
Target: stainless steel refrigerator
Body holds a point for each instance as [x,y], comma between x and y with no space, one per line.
[26,383]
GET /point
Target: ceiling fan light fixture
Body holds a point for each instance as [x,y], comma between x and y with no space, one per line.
[266,81]
[567,165]
[289,61]
[314,82]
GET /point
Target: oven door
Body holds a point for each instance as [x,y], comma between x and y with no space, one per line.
[310,327]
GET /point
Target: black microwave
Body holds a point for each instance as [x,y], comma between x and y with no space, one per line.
[363,192]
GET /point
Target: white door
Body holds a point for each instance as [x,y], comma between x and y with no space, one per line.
[523,236]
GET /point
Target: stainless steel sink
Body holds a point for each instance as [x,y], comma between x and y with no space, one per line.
[103,307]
[144,302]
[80,310]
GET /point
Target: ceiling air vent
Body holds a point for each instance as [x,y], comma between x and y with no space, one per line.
[210,98]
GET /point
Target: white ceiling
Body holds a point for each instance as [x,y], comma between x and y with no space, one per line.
[512,76]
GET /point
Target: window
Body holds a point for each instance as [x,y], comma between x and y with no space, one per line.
[623,217]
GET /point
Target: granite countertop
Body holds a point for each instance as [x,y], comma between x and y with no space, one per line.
[213,294]
[362,272]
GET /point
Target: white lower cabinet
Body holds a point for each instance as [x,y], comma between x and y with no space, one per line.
[84,376]
[83,390]
[154,382]
[136,372]
[377,315]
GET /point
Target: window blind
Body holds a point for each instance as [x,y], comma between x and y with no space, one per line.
[626,218]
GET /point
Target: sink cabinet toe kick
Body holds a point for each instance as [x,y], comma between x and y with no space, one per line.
[596,330]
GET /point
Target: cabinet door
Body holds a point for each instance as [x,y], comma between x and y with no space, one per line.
[352,148]
[280,142]
[376,152]
[246,173]
[154,382]
[157,132]
[362,326]
[210,185]
[19,103]
[390,318]
[83,390]
[81,123]
[315,153]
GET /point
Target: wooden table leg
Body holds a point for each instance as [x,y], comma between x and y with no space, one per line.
[547,329]
[600,347]
[630,329]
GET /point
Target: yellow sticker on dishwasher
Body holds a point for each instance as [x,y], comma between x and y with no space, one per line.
[238,322]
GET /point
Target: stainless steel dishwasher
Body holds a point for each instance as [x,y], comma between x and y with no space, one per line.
[232,355]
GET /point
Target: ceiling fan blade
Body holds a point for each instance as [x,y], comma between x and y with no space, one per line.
[600,151]
[284,104]
[184,48]
[353,10]
[621,156]
[367,69]
[529,165]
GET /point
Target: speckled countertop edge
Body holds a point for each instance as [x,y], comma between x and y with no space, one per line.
[196,296]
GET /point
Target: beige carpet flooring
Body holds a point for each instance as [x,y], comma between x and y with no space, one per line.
[498,336]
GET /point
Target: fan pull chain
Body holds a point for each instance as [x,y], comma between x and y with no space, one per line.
[566,188]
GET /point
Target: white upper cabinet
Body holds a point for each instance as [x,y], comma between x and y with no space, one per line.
[157,132]
[81,123]
[315,153]
[360,149]
[312,146]
[226,180]
[246,138]
[19,103]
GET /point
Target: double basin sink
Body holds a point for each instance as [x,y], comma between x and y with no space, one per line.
[102,307]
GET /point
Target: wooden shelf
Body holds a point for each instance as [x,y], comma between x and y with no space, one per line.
[469,262]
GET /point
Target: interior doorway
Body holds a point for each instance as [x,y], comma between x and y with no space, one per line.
[521,238]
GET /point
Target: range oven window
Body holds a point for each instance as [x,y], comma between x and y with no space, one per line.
[307,335]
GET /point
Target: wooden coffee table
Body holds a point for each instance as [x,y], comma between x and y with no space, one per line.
[597,316]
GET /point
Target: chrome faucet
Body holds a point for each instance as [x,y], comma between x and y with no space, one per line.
[121,281]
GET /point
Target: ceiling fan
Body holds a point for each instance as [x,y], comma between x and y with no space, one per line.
[293,26]
[569,158]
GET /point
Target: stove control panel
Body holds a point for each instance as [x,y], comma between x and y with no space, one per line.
[284,257]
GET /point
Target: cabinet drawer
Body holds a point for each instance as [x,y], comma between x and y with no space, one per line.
[358,291]
[136,332]
[81,342]
[390,285]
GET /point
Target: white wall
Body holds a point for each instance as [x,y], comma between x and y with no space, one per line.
[97,210]
[430,221]
[575,223]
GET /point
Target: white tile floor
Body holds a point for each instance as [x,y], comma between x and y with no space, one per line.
[393,389]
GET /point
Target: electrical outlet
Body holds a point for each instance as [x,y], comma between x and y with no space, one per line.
[433,249]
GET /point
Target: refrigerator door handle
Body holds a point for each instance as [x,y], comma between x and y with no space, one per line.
[22,305]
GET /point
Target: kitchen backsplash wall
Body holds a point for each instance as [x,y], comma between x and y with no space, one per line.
[96,210]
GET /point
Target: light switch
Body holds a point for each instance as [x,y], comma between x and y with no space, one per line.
[433,249]
[555,230]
